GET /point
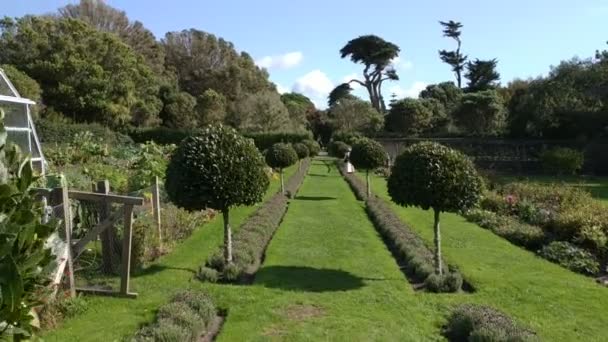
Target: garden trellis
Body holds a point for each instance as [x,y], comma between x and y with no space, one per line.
[19,124]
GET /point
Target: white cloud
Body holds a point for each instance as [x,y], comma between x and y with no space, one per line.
[413,91]
[284,61]
[281,89]
[314,84]
[349,77]
[401,64]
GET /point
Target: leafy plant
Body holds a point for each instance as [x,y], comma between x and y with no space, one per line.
[217,169]
[25,261]
[571,257]
[562,160]
[280,156]
[368,155]
[430,175]
[151,161]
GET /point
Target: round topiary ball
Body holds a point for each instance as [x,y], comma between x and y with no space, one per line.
[313,147]
[431,175]
[367,154]
[217,169]
[338,149]
[281,155]
[301,150]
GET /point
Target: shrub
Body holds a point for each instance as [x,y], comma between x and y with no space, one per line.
[571,257]
[368,155]
[521,234]
[471,322]
[301,150]
[562,160]
[430,175]
[264,141]
[218,169]
[585,225]
[280,156]
[407,247]
[349,138]
[54,132]
[160,135]
[313,147]
[200,302]
[167,331]
[255,233]
[183,315]
[208,274]
[450,282]
[338,149]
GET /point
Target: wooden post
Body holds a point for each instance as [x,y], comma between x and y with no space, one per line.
[126,250]
[156,208]
[108,236]
[60,196]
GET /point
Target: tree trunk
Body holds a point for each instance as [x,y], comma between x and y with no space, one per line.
[227,237]
[282,184]
[437,240]
[369,189]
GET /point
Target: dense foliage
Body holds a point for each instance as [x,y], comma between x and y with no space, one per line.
[301,150]
[25,260]
[313,147]
[562,161]
[338,149]
[355,115]
[430,175]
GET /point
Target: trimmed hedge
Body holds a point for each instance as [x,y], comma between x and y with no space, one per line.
[263,141]
[160,135]
[50,132]
[250,242]
[186,318]
[472,322]
[407,247]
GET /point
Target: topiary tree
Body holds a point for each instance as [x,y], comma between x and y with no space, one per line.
[338,149]
[367,155]
[313,147]
[280,156]
[301,151]
[430,175]
[217,169]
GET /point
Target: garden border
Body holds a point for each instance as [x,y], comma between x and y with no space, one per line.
[412,255]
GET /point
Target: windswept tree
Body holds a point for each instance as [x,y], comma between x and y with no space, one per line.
[455,59]
[376,55]
[482,75]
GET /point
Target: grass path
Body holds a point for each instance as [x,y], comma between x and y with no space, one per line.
[327,277]
[559,304]
[112,319]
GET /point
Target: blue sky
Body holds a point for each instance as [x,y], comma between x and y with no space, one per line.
[299,40]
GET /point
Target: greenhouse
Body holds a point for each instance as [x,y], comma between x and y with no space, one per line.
[18,122]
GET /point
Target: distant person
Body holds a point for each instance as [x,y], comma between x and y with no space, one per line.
[349,167]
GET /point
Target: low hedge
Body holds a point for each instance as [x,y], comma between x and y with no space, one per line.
[51,132]
[407,247]
[250,242]
[263,141]
[519,233]
[471,322]
[185,318]
[160,135]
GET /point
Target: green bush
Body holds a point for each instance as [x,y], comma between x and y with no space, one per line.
[167,331]
[208,274]
[571,257]
[200,302]
[407,247]
[313,147]
[338,149]
[55,132]
[562,160]
[349,138]
[217,169]
[183,315]
[521,234]
[471,322]
[430,175]
[264,141]
[253,236]
[301,150]
[160,135]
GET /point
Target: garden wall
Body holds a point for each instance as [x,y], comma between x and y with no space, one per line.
[509,155]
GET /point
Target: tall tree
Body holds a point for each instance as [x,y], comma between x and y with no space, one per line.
[299,107]
[261,112]
[376,55]
[355,115]
[481,114]
[108,19]
[482,75]
[455,59]
[84,73]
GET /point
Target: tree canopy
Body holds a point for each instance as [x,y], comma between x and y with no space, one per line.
[482,75]
[355,115]
[455,59]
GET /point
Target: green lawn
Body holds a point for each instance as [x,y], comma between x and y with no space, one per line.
[558,304]
[597,186]
[111,319]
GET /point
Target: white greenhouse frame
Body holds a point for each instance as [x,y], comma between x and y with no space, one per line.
[9,96]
